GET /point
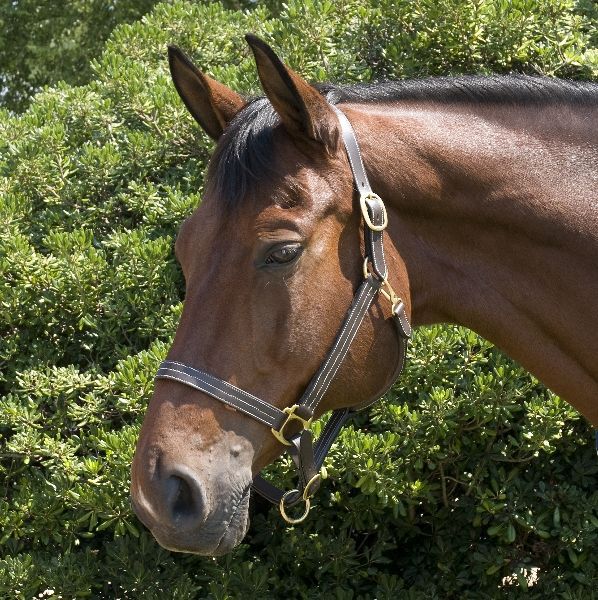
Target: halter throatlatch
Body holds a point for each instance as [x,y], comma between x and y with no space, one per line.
[307,455]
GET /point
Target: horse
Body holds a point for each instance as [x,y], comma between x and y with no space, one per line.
[490,210]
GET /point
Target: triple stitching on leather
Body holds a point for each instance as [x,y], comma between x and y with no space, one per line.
[234,392]
[218,397]
[201,384]
[315,397]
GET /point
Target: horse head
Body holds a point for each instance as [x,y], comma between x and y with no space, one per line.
[272,261]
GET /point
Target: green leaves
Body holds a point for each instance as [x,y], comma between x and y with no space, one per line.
[468,476]
[43,43]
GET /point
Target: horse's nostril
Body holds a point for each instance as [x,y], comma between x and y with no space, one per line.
[184,498]
[179,496]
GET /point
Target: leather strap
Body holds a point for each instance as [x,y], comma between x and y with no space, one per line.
[320,451]
[353,153]
[401,321]
[374,246]
[319,384]
[225,392]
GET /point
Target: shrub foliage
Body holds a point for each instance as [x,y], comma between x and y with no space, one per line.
[44,41]
[468,476]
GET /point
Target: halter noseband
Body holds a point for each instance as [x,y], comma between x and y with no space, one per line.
[309,457]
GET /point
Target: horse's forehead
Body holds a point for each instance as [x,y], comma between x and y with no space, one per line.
[213,228]
[211,225]
[300,188]
[294,191]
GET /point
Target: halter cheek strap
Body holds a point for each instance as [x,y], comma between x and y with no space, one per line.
[307,456]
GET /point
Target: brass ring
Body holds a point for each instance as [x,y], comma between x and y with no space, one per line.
[306,491]
[286,517]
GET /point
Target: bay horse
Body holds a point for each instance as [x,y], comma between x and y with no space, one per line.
[490,186]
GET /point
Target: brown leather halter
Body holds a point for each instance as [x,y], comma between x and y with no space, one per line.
[309,457]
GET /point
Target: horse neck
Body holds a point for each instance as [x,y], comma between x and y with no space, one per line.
[494,213]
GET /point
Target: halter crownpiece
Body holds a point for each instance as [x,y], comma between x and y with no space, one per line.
[307,456]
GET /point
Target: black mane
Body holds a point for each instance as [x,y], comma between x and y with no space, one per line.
[245,153]
[496,89]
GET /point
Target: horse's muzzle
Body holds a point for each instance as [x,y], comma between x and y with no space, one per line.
[180,518]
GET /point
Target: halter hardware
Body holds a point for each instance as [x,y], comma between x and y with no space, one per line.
[306,496]
[390,295]
[283,513]
[307,455]
[366,214]
[291,416]
[385,288]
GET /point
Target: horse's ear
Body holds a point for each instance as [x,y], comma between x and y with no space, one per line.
[305,113]
[212,104]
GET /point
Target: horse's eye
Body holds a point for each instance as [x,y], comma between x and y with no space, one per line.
[283,254]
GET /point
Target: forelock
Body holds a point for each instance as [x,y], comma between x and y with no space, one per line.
[244,154]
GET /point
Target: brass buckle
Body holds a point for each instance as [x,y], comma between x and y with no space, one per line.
[306,499]
[366,214]
[291,416]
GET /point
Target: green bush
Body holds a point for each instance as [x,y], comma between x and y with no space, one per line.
[469,473]
[44,41]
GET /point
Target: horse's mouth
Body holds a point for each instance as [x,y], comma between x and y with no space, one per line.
[237,526]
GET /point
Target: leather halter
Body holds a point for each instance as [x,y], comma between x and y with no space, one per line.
[308,456]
